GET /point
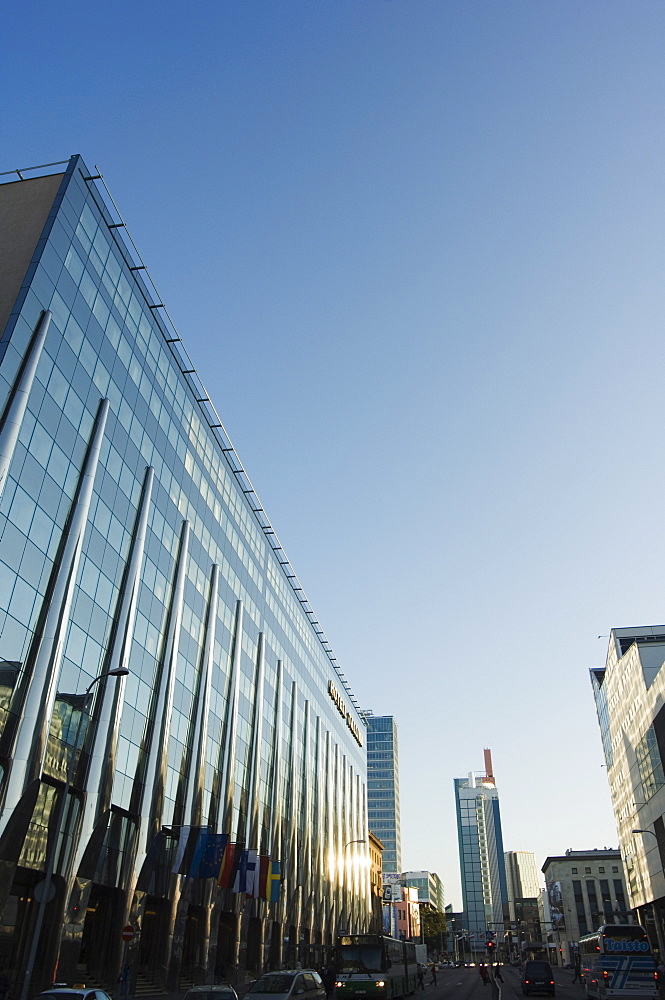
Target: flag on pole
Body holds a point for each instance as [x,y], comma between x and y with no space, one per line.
[274,880]
[199,848]
[252,879]
[264,871]
[213,852]
[183,840]
[240,883]
[229,865]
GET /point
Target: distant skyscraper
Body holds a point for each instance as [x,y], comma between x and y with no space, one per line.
[521,878]
[484,889]
[383,787]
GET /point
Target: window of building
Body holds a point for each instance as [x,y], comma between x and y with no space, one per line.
[601,870]
[615,869]
[649,763]
[574,870]
[587,871]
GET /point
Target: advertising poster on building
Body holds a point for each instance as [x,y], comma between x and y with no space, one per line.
[555,900]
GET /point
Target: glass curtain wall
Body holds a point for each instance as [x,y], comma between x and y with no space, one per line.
[129,548]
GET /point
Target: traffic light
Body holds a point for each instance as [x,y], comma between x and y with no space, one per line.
[491,945]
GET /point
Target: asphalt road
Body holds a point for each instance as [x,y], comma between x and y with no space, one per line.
[466,984]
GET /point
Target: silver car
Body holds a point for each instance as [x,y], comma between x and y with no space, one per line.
[73,993]
[287,984]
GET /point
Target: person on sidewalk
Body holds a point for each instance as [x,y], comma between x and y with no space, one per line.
[578,968]
[497,972]
[433,982]
[484,974]
[421,978]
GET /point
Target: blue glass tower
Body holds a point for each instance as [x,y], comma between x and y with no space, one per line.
[482,865]
[383,787]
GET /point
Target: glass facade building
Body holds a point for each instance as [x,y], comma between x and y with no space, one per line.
[171,713]
[629,691]
[383,787]
[482,867]
[521,878]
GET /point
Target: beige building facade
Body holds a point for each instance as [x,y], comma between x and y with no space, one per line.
[584,889]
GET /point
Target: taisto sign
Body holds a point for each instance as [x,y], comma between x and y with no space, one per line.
[343,711]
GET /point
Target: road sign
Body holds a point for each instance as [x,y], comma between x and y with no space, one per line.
[128,933]
[43,891]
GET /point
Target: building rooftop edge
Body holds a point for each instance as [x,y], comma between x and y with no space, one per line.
[130,251]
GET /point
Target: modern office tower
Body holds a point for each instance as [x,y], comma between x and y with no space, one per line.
[584,890]
[429,886]
[484,890]
[630,694]
[179,754]
[383,787]
[521,878]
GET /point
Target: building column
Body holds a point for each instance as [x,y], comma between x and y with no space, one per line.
[45,656]
[17,402]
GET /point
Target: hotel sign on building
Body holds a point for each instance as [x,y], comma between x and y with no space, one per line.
[343,711]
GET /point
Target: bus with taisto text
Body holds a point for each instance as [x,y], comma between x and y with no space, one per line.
[616,961]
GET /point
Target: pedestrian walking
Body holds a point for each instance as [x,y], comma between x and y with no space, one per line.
[329,977]
[578,968]
[497,972]
[484,974]
[433,983]
[421,978]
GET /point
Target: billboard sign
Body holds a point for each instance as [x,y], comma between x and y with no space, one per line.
[555,900]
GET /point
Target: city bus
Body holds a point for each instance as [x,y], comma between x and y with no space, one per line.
[616,961]
[373,966]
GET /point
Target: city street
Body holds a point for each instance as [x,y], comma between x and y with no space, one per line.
[466,984]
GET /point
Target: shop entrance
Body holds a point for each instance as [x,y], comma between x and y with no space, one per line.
[17,924]
[100,944]
[153,941]
[192,966]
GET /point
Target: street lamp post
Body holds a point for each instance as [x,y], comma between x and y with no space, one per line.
[46,890]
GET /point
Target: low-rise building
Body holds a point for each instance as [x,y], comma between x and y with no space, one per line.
[376,881]
[584,890]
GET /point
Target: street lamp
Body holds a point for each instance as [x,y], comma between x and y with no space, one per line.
[46,890]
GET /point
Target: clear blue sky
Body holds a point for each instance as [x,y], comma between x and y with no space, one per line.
[416,249]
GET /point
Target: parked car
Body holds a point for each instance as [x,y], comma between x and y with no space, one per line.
[537,977]
[287,984]
[73,993]
[221,991]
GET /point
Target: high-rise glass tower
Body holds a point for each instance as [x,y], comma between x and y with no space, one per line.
[482,868]
[521,878]
[178,749]
[383,787]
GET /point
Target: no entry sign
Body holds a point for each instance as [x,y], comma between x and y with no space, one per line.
[128,933]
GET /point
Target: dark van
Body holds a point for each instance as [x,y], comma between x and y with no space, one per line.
[537,978]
